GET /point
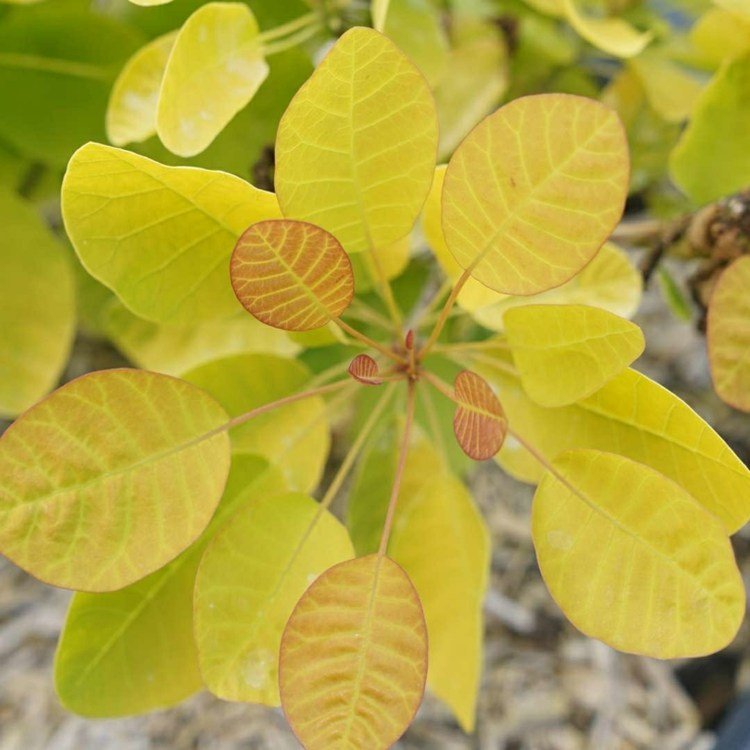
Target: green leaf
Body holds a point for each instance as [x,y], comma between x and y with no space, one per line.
[633,560]
[110,477]
[214,69]
[58,60]
[583,346]
[633,416]
[356,147]
[37,306]
[249,580]
[133,650]
[712,158]
[295,437]
[160,237]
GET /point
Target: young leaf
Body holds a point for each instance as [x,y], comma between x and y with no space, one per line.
[356,147]
[712,158]
[294,437]
[249,580]
[109,478]
[291,274]
[729,334]
[365,369]
[159,237]
[131,112]
[375,666]
[480,424]
[215,68]
[37,306]
[564,353]
[554,176]
[633,560]
[130,651]
[636,417]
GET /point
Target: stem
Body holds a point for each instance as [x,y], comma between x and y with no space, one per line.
[288,28]
[292,41]
[368,315]
[445,312]
[384,289]
[354,333]
[391,512]
[328,373]
[426,312]
[440,385]
[473,345]
[434,422]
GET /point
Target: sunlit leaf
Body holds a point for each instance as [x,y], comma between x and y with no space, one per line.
[129,651]
[365,369]
[291,274]
[160,237]
[356,147]
[391,260]
[564,353]
[131,112]
[480,424]
[729,334]
[109,478]
[375,666]
[718,35]
[554,171]
[712,158]
[738,7]
[295,437]
[215,68]
[37,306]
[633,560]
[633,416]
[249,580]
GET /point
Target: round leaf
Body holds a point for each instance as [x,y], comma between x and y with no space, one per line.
[358,634]
[291,274]
[480,424]
[553,171]
[365,369]
[109,478]
[633,560]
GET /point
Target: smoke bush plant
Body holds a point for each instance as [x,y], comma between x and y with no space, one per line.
[180,508]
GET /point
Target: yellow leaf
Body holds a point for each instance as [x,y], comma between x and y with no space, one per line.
[291,274]
[718,35]
[174,349]
[214,70]
[729,334]
[554,175]
[294,437]
[480,424]
[740,8]
[110,477]
[356,146]
[391,260]
[611,34]
[37,306]
[249,580]
[633,560]
[133,650]
[149,3]
[131,111]
[159,237]
[633,416]
[374,667]
[564,353]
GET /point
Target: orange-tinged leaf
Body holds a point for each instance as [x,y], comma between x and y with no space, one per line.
[110,477]
[729,334]
[291,274]
[354,657]
[480,424]
[365,369]
[553,171]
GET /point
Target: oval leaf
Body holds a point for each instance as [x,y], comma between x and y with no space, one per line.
[479,424]
[356,146]
[584,347]
[110,477]
[365,369]
[554,176]
[159,237]
[131,111]
[375,665]
[633,560]
[215,68]
[729,334]
[291,274]
[249,580]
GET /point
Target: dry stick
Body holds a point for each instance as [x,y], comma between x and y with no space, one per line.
[354,333]
[390,513]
